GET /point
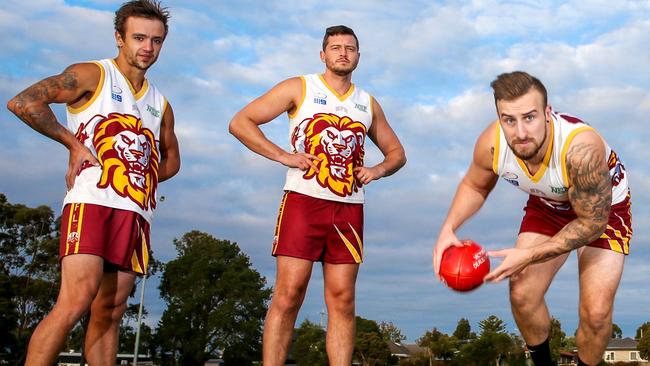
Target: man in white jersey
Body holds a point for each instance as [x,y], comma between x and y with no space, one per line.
[121,140]
[579,199]
[321,214]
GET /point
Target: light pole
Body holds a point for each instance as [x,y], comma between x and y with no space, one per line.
[137,332]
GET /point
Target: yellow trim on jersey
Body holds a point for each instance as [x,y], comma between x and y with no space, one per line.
[565,148]
[547,157]
[497,143]
[96,93]
[302,97]
[341,97]
[141,92]
[348,244]
[80,226]
[372,99]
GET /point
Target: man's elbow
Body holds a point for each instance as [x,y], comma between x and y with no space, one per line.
[235,127]
[401,158]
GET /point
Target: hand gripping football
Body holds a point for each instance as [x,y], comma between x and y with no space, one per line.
[463,268]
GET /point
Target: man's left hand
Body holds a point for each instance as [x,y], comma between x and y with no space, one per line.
[515,260]
[366,175]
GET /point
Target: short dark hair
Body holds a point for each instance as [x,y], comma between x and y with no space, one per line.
[150,9]
[510,86]
[338,29]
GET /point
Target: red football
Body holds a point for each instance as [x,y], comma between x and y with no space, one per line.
[463,268]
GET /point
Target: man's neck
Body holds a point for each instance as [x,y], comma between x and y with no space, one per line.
[133,74]
[337,82]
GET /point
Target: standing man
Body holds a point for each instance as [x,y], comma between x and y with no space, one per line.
[120,134]
[579,200]
[321,214]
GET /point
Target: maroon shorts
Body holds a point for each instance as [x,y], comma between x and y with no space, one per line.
[319,230]
[543,219]
[121,237]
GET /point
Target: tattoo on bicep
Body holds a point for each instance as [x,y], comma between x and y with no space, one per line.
[32,104]
[590,194]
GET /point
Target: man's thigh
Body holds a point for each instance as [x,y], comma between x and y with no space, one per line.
[536,278]
[600,273]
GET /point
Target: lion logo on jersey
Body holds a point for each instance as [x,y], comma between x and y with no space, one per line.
[338,142]
[129,157]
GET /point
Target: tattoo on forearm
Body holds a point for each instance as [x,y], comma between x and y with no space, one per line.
[590,197]
[32,104]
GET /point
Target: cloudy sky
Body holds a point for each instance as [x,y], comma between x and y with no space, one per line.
[428,63]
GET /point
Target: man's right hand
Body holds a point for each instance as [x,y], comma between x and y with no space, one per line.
[446,239]
[302,161]
[79,154]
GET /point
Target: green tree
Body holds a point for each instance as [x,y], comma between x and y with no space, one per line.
[616,331]
[390,332]
[644,346]
[370,347]
[215,302]
[492,324]
[463,330]
[491,347]
[440,344]
[309,348]
[556,338]
[642,330]
[29,273]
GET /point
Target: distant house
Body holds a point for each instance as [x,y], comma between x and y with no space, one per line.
[622,349]
[567,358]
[404,350]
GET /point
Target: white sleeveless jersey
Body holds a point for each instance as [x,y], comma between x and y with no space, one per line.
[551,182]
[122,129]
[332,127]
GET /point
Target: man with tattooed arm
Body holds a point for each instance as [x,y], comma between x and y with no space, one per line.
[578,199]
[120,134]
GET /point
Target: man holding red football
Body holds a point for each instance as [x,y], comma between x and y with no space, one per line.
[579,199]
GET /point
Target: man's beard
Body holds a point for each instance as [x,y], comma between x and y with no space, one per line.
[341,71]
[533,153]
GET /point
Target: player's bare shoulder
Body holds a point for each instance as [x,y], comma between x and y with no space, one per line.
[485,149]
[81,79]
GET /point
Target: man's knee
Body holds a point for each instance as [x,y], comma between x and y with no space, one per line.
[521,298]
[340,300]
[107,309]
[598,319]
[289,299]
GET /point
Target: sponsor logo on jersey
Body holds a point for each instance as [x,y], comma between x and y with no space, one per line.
[511,178]
[340,108]
[115,93]
[361,107]
[153,111]
[559,190]
[320,98]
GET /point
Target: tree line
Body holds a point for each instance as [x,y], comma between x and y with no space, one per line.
[215,307]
